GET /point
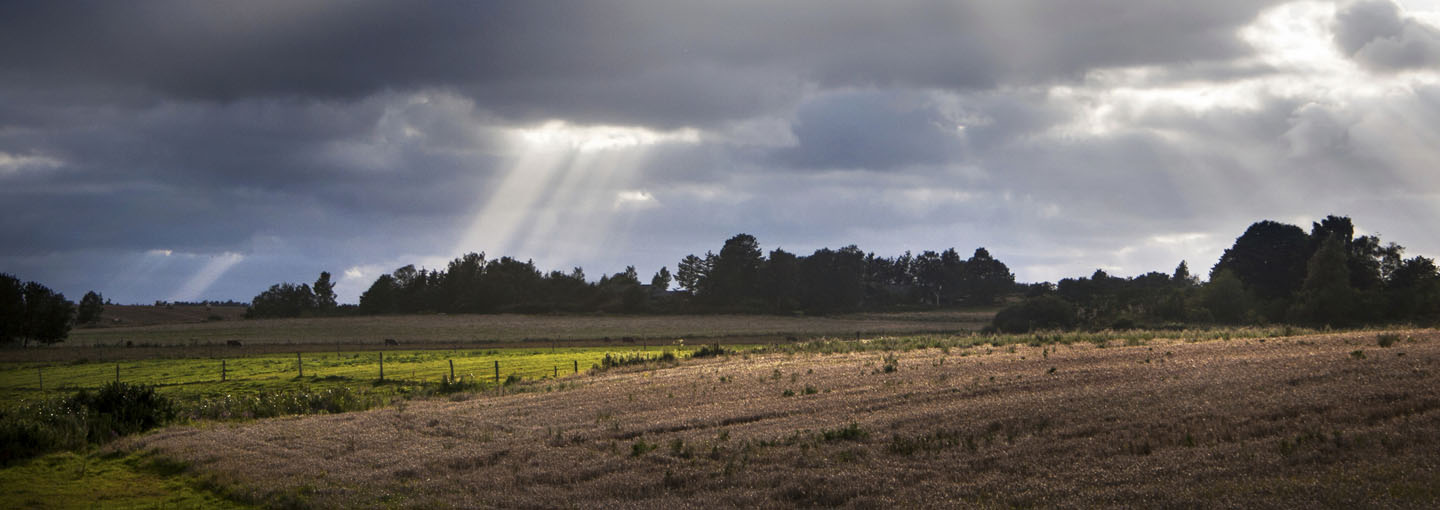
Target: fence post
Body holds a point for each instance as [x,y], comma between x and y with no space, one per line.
[557,371]
[222,370]
[117,372]
[382,365]
[497,371]
[577,365]
[452,370]
[299,364]
[41,373]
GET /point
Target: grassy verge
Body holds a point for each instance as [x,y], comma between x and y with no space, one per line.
[93,480]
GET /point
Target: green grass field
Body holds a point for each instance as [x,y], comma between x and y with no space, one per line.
[193,378]
[92,480]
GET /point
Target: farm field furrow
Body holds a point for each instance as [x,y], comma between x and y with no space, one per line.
[1323,420]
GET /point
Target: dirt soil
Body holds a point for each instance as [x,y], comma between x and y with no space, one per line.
[1331,421]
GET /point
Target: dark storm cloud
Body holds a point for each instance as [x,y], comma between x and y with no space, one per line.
[1374,33]
[657,63]
[872,130]
[308,136]
[210,177]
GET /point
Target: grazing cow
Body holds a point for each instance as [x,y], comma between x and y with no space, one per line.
[391,341]
[232,343]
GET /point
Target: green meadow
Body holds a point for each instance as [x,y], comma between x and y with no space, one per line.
[198,378]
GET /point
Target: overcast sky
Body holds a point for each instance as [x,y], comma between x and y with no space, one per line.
[205,150]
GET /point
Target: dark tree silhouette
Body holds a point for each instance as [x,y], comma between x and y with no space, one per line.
[734,275]
[324,293]
[985,279]
[1269,259]
[692,271]
[381,297]
[91,306]
[1326,298]
[12,309]
[31,311]
[661,280]
[282,300]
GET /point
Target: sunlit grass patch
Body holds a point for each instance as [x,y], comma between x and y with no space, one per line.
[94,480]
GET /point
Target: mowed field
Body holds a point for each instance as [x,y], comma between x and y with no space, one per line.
[491,329]
[1322,420]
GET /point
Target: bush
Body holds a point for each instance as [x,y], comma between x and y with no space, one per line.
[1387,339]
[116,410]
[1044,312]
[120,409]
[706,351]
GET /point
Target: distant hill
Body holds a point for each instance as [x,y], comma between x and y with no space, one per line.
[148,315]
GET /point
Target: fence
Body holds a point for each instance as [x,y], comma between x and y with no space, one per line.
[235,373]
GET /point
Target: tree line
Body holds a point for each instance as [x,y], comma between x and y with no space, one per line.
[741,278]
[30,311]
[1273,273]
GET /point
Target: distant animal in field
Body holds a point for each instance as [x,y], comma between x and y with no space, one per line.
[232,343]
[391,341]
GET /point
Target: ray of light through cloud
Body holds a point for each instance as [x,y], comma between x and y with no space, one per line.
[1059,136]
[555,203]
[197,284]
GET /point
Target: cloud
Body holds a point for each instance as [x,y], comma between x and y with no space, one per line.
[874,131]
[358,137]
[661,64]
[1376,34]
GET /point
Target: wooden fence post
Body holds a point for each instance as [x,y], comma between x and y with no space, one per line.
[452,370]
[41,373]
[577,365]
[300,365]
[117,372]
[382,365]
[497,371]
[222,370]
[557,371]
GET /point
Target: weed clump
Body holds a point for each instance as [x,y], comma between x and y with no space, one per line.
[851,432]
[1387,339]
[612,360]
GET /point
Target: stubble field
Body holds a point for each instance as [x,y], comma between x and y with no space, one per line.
[1326,420]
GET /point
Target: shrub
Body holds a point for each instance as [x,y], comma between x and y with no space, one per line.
[1387,339]
[120,409]
[36,428]
[115,410]
[1044,312]
[619,360]
[706,351]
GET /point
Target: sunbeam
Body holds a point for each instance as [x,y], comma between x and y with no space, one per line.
[556,203]
[195,286]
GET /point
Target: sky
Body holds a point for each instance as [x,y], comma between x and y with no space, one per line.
[179,150]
